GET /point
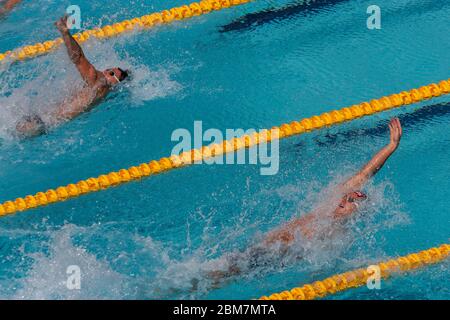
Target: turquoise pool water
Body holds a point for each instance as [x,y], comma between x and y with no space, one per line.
[253,66]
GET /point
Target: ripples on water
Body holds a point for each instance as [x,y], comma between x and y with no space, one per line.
[131,243]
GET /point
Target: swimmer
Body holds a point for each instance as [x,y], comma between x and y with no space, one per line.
[311,226]
[97,85]
[7,6]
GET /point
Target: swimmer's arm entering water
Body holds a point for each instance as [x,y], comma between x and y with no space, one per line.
[87,71]
[376,163]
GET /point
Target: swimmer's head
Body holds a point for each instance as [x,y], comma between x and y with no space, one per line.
[30,126]
[115,75]
[349,204]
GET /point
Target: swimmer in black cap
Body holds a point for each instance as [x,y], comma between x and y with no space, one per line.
[97,84]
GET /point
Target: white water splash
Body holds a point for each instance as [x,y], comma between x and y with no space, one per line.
[47,278]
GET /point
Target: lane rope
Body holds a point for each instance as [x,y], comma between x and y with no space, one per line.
[186,158]
[109,31]
[359,277]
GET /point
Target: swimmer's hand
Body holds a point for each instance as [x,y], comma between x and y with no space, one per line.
[61,24]
[396,132]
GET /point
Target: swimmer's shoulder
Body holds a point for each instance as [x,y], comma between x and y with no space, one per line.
[101,86]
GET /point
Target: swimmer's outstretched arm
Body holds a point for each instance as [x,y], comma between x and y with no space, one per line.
[76,54]
[377,162]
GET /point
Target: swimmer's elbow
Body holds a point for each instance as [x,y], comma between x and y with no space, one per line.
[76,56]
[356,182]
